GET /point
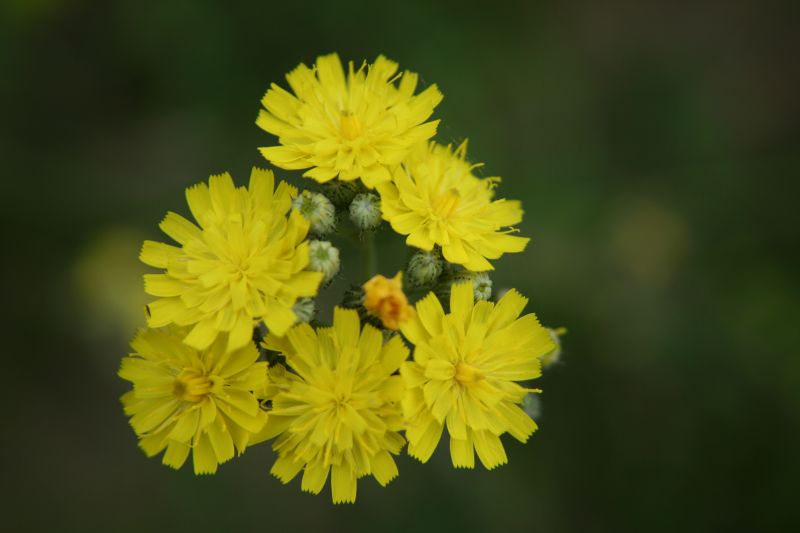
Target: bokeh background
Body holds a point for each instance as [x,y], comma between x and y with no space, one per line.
[655,148]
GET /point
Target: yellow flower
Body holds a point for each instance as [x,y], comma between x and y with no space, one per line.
[244,262]
[354,126]
[435,199]
[340,411]
[187,400]
[385,299]
[463,375]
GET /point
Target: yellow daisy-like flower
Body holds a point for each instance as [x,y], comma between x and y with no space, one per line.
[245,262]
[188,400]
[463,375]
[435,199]
[384,298]
[354,126]
[340,412]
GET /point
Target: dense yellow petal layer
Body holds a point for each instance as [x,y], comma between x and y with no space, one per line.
[347,126]
[435,199]
[463,375]
[243,261]
[339,411]
[186,401]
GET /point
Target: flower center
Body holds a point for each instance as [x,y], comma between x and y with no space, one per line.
[466,374]
[446,204]
[191,385]
[350,126]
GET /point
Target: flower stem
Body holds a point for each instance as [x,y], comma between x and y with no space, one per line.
[370,255]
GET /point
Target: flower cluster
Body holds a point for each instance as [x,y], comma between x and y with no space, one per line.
[234,353]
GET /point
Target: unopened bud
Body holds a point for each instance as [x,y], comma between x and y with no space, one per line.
[318,210]
[554,355]
[305,309]
[481,284]
[341,192]
[365,211]
[532,405]
[323,257]
[424,269]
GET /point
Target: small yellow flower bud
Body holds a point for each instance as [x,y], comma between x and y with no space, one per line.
[385,299]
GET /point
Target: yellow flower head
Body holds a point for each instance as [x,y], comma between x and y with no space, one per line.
[244,262]
[463,375]
[340,412]
[354,126]
[384,298]
[435,199]
[187,400]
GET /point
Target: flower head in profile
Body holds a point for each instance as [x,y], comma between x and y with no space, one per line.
[245,261]
[339,412]
[385,299]
[184,400]
[435,199]
[357,124]
[463,375]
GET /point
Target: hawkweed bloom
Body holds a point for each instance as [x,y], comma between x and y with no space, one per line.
[435,199]
[385,299]
[184,400]
[463,375]
[339,412]
[253,266]
[354,125]
[246,261]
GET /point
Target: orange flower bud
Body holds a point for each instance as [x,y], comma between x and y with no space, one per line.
[384,298]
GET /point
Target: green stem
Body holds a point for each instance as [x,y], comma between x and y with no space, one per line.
[370,254]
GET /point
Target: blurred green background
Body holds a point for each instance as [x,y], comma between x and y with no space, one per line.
[654,146]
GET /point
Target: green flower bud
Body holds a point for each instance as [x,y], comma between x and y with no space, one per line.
[340,192]
[365,211]
[532,405]
[318,210]
[323,257]
[554,355]
[354,297]
[424,269]
[305,309]
[481,284]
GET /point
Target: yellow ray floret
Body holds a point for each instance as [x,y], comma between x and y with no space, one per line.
[339,412]
[357,125]
[435,199]
[184,400]
[244,262]
[463,375]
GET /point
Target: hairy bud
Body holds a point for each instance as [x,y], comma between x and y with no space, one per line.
[318,210]
[365,211]
[323,257]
